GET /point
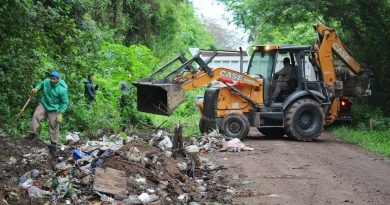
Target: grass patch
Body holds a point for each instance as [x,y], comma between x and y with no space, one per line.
[377,141]
[190,123]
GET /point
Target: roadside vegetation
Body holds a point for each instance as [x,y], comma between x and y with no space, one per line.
[116,40]
[377,141]
[370,129]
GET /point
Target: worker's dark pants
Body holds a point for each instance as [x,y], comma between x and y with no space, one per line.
[278,88]
[88,102]
[39,114]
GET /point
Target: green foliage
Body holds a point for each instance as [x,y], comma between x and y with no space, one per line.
[362,113]
[118,64]
[377,141]
[103,114]
[111,39]
[180,30]
[296,34]
[362,25]
[121,60]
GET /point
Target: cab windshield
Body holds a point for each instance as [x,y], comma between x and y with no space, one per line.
[261,64]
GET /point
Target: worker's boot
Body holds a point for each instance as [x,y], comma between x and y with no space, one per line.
[31,136]
[52,148]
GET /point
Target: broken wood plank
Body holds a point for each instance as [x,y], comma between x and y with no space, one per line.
[178,137]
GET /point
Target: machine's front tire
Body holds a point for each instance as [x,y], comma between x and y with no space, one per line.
[235,125]
[272,132]
[304,120]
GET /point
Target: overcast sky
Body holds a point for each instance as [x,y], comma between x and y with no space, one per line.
[211,9]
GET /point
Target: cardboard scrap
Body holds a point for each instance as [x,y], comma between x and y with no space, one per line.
[110,181]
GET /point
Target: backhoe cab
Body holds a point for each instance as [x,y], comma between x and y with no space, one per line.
[298,111]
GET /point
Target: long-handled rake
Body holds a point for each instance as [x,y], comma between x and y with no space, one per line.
[20,114]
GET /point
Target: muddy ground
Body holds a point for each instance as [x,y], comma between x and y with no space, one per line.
[328,171]
[18,156]
[278,171]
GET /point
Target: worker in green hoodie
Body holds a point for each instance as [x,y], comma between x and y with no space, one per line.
[53,104]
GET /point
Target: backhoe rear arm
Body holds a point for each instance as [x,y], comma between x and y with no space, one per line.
[329,43]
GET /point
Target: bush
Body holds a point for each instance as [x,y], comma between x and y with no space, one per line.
[362,112]
[359,132]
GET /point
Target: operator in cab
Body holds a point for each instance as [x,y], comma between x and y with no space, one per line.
[282,78]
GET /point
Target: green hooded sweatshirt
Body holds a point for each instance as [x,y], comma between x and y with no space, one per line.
[55,98]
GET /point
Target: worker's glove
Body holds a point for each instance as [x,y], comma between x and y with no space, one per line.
[59,118]
[34,90]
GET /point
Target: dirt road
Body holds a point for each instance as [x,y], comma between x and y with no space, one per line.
[328,171]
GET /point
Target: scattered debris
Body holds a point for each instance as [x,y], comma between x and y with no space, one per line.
[146,198]
[192,149]
[235,145]
[72,137]
[12,160]
[160,168]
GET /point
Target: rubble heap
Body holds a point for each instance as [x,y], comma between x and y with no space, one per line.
[160,168]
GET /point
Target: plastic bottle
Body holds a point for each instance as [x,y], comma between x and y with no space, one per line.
[31,174]
[77,154]
[62,188]
[35,192]
[106,198]
[26,184]
[146,198]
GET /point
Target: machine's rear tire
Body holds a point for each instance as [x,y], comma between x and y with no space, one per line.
[304,120]
[272,132]
[202,127]
[235,125]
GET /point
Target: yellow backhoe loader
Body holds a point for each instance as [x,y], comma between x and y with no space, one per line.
[234,101]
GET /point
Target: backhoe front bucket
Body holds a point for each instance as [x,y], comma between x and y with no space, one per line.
[161,99]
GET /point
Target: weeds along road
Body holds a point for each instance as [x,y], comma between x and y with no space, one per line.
[328,171]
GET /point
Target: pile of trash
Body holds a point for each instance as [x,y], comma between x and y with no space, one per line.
[215,142]
[160,168]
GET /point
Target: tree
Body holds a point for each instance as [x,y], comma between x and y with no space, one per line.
[225,38]
[363,26]
[76,38]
